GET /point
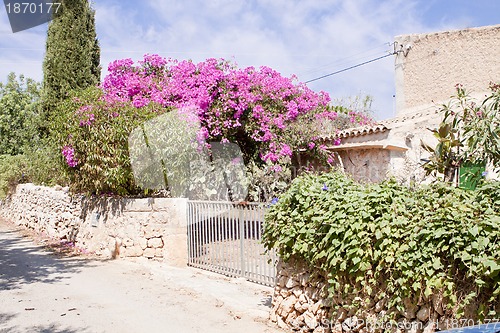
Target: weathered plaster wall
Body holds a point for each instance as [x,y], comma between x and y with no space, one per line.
[410,130]
[110,227]
[432,64]
[366,165]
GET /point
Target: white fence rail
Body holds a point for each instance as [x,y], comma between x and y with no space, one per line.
[225,237]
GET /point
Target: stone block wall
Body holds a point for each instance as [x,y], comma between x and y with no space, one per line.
[155,228]
[44,209]
[300,303]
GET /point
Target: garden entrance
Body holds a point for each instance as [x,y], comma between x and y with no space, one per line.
[225,238]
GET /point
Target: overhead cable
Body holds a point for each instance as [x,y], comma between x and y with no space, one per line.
[351,67]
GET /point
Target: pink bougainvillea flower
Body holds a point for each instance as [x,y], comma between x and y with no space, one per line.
[276,168]
[285,150]
[69,154]
[225,103]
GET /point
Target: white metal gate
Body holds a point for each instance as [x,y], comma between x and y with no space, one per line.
[225,237]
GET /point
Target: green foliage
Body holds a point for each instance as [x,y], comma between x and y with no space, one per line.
[19,114]
[469,133]
[444,157]
[489,195]
[25,155]
[161,150]
[43,167]
[72,55]
[12,172]
[37,165]
[165,153]
[98,133]
[480,124]
[412,242]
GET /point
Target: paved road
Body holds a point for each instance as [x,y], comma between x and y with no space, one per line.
[41,292]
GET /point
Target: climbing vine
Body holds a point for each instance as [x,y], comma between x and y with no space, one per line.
[412,242]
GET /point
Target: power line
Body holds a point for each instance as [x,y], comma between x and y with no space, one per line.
[351,67]
[345,61]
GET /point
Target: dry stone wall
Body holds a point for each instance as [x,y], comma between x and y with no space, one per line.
[300,304]
[47,210]
[154,228]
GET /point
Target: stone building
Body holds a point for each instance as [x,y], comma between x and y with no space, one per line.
[427,69]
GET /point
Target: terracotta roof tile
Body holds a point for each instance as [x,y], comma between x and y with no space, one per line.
[363,130]
[357,131]
[381,126]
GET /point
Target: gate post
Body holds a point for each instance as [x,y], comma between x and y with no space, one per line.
[173,212]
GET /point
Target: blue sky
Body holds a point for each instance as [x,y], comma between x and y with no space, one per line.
[308,38]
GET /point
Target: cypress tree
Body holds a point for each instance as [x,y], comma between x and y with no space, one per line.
[72,58]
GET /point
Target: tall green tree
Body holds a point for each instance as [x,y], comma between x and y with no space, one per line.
[72,59]
[19,114]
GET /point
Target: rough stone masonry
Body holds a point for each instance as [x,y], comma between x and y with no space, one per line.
[301,303]
[154,228]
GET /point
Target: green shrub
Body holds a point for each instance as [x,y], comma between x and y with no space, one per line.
[37,165]
[94,136]
[489,195]
[12,172]
[415,242]
[468,134]
[45,164]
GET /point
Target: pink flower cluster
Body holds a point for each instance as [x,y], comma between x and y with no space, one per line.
[249,106]
[360,118]
[69,154]
[86,115]
[228,100]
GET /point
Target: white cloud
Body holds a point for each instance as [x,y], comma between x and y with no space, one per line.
[308,38]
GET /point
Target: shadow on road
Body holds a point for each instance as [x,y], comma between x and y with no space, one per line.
[51,328]
[57,329]
[5,317]
[22,262]
[267,301]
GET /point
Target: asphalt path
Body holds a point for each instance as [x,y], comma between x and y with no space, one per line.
[44,292]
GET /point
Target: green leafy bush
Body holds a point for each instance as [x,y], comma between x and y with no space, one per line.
[43,167]
[468,134]
[37,165]
[12,172]
[412,242]
[94,139]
